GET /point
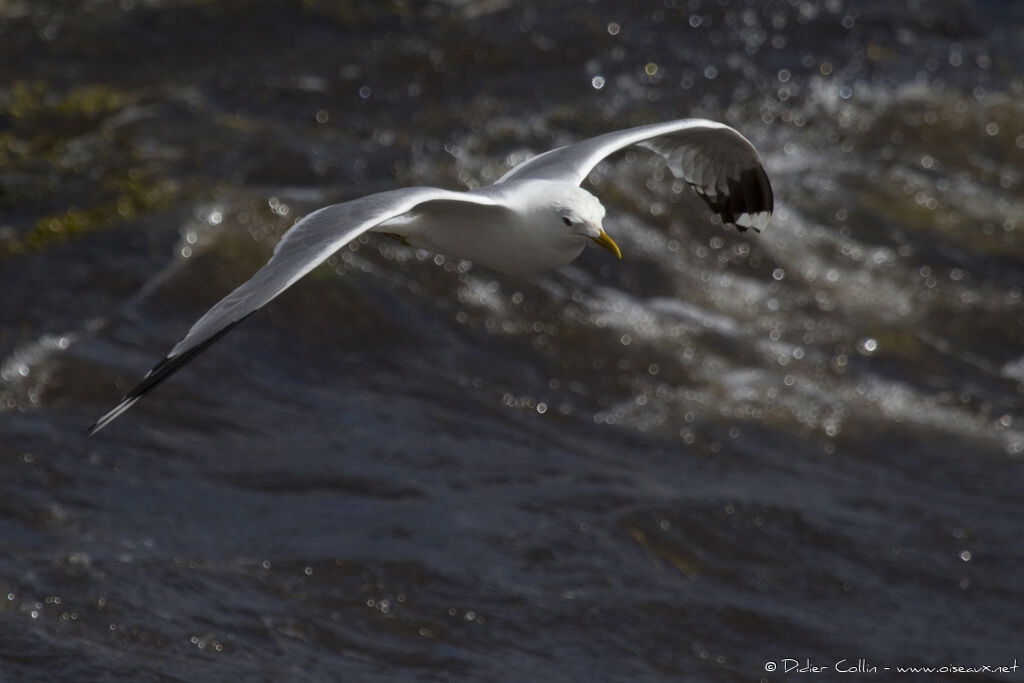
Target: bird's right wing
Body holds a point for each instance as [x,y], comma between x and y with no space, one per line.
[305,246]
[721,165]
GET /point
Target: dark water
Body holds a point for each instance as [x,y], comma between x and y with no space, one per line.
[722,451]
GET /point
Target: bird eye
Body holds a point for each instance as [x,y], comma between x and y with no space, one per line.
[567,221]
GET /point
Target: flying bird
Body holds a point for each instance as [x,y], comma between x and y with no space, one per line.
[534,218]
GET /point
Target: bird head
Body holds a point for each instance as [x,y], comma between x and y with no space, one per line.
[580,214]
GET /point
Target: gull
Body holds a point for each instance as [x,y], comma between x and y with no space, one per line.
[534,218]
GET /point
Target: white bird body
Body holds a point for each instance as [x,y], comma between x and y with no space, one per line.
[535,218]
[519,235]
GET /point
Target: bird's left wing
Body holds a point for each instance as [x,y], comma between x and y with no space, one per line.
[306,245]
[715,160]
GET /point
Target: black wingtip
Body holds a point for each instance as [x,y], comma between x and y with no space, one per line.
[748,201]
[161,371]
[154,377]
[126,403]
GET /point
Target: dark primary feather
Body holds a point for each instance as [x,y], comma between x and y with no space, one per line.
[161,371]
[750,193]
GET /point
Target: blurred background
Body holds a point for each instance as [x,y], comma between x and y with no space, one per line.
[724,450]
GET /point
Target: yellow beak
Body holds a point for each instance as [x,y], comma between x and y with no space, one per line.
[608,243]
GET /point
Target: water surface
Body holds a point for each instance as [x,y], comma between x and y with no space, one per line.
[724,450]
